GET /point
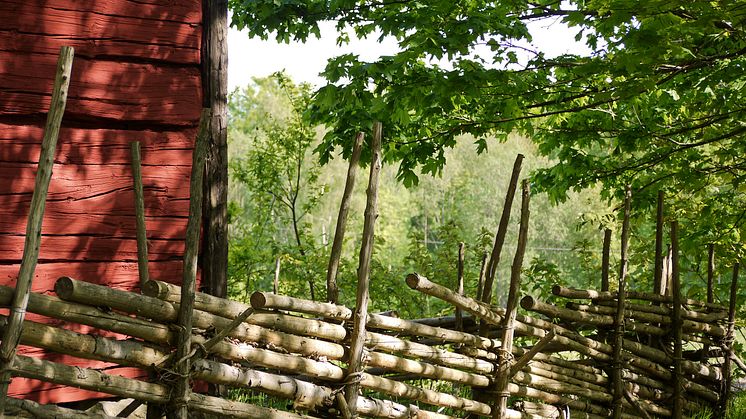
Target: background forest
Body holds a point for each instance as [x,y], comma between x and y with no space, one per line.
[284,203]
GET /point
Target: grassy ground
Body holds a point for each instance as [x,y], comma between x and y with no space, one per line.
[737,409]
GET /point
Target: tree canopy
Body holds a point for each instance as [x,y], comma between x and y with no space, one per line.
[658,103]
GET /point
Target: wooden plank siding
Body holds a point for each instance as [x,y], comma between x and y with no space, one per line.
[136,77]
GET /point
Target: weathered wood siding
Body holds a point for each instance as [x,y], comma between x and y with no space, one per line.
[136,77]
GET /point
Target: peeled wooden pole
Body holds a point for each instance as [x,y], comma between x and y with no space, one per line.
[276,279]
[460,286]
[332,290]
[132,353]
[599,315]
[584,317]
[616,365]
[95,380]
[502,230]
[482,274]
[35,218]
[180,398]
[528,325]
[354,362]
[658,269]
[710,296]
[678,388]
[158,310]
[642,356]
[728,344]
[267,301]
[574,293]
[231,309]
[49,410]
[54,307]
[505,353]
[408,327]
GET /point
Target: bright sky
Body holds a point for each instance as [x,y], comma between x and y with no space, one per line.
[249,58]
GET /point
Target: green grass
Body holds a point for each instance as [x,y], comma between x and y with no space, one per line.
[736,410]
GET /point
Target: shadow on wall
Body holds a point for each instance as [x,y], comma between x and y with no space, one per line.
[136,77]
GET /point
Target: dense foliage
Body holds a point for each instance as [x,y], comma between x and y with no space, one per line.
[273,171]
[658,103]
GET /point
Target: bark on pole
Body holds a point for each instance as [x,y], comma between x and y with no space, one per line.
[658,270]
[354,365]
[142,237]
[506,350]
[605,257]
[725,394]
[35,218]
[180,398]
[678,388]
[616,366]
[215,97]
[460,286]
[482,274]
[502,230]
[332,290]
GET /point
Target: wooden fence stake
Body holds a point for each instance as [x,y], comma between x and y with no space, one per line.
[658,272]
[616,366]
[528,356]
[355,362]
[482,274]
[502,230]
[505,353]
[276,279]
[35,218]
[678,389]
[460,286]
[728,344]
[142,237]
[605,257]
[332,289]
[710,295]
[180,398]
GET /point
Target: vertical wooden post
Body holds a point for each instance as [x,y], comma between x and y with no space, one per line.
[710,295]
[153,410]
[354,364]
[332,290]
[616,367]
[658,272]
[605,260]
[710,272]
[729,337]
[142,237]
[215,96]
[505,351]
[276,280]
[502,230]
[667,270]
[676,325]
[460,286]
[482,273]
[36,215]
[180,397]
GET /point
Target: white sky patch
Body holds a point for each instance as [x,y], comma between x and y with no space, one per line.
[249,58]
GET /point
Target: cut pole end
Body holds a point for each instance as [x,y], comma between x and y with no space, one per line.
[64,287]
[258,300]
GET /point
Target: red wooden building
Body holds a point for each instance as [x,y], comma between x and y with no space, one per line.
[142,72]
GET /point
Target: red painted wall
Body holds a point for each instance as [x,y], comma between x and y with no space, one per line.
[136,77]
